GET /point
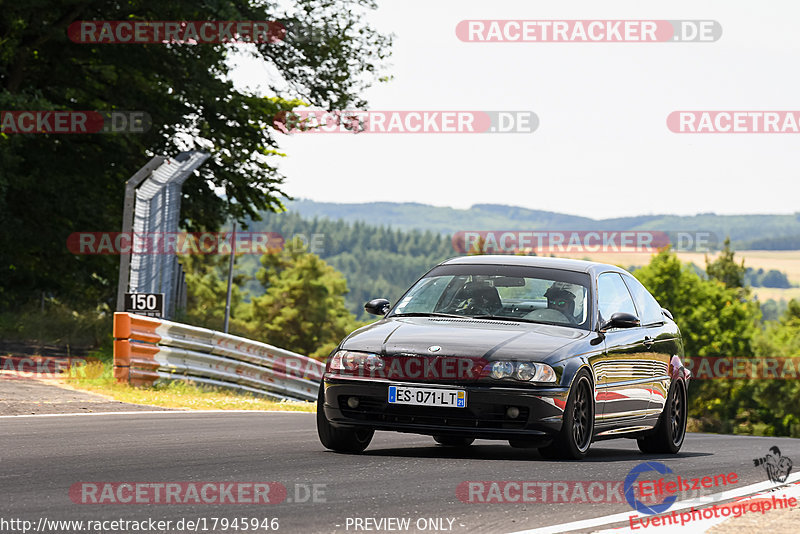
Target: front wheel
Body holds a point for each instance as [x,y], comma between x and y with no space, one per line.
[671,428]
[453,441]
[349,440]
[577,429]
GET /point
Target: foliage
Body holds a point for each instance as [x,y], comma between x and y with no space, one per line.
[53,185]
[771,278]
[725,269]
[787,242]
[772,407]
[377,261]
[303,308]
[771,310]
[714,320]
[300,305]
[207,288]
[781,338]
[54,323]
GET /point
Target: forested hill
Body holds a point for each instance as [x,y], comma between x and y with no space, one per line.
[779,232]
[382,261]
[376,261]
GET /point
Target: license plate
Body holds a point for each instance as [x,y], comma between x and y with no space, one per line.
[451,398]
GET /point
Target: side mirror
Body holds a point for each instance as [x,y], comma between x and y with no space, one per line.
[377,306]
[621,320]
[667,313]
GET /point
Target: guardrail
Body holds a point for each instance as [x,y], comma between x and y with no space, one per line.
[147,350]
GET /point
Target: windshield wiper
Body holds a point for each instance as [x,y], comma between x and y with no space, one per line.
[429,314]
[502,318]
[522,320]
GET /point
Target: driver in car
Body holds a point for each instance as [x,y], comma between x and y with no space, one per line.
[561,300]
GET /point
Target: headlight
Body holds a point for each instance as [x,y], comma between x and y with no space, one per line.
[522,371]
[544,373]
[373,362]
[525,371]
[502,369]
[353,362]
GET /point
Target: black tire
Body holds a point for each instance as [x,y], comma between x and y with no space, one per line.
[577,430]
[522,444]
[453,441]
[348,440]
[670,431]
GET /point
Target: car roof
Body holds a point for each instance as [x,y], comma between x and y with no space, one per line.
[563,264]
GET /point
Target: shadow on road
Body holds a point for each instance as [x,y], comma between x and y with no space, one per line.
[505,452]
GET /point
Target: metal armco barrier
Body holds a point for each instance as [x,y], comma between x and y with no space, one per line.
[147,349]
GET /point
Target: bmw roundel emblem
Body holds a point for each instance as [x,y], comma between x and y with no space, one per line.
[434,348]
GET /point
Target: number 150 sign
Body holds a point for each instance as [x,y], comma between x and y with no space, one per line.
[149,304]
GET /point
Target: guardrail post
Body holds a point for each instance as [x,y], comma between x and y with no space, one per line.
[122,331]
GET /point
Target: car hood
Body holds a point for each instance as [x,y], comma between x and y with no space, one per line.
[487,340]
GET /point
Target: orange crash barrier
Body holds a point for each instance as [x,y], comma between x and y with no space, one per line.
[134,350]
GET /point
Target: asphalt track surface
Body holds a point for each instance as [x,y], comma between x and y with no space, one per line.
[23,396]
[400,475]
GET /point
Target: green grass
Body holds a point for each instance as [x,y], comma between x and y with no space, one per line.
[96,377]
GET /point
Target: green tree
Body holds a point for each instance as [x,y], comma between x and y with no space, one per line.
[725,269]
[781,338]
[53,185]
[774,405]
[714,321]
[206,291]
[303,308]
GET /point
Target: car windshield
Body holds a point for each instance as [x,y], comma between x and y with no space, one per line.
[529,294]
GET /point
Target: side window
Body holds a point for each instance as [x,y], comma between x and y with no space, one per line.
[649,309]
[613,296]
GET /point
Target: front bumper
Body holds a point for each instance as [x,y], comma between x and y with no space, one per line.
[540,409]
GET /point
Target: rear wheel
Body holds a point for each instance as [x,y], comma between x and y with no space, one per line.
[577,430]
[671,428]
[453,441]
[350,440]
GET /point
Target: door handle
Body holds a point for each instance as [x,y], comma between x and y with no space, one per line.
[648,341]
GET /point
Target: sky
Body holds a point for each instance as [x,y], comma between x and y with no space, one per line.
[602,148]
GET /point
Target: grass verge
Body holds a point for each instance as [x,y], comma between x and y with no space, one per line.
[97,377]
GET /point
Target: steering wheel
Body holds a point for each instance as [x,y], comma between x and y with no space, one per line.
[550,315]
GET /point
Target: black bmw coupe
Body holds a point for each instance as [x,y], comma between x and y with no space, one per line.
[546,353]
